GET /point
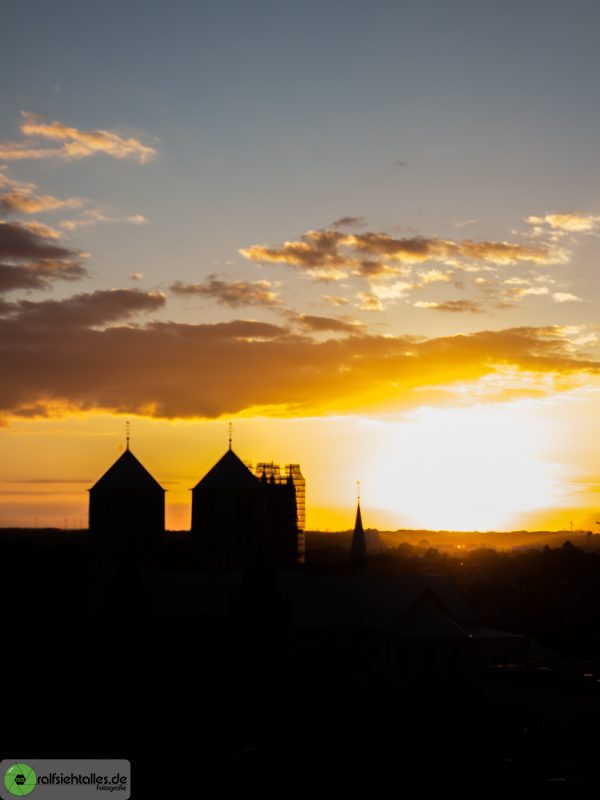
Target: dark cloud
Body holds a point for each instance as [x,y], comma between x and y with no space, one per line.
[171,370]
[82,310]
[316,323]
[38,275]
[230,293]
[18,242]
[349,222]
[30,258]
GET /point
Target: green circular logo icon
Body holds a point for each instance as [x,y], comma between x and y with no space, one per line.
[20,779]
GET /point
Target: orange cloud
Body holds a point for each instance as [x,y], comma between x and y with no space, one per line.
[370,253]
[390,263]
[456,306]
[317,249]
[39,229]
[77,144]
[392,291]
[565,297]
[571,221]
[335,300]
[433,276]
[369,302]
[167,369]
[21,198]
[93,217]
[23,203]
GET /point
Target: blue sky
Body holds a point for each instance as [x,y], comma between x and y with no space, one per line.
[274,118]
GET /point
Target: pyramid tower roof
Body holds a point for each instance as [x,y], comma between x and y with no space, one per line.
[127,473]
[229,472]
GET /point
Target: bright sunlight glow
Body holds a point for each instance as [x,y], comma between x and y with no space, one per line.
[463,469]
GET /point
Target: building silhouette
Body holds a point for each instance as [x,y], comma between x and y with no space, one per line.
[358,548]
[349,628]
[292,475]
[241,519]
[127,506]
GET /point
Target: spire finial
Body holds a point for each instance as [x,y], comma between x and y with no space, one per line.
[230,434]
[358,491]
[127,434]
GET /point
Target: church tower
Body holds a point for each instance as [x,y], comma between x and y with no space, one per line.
[241,519]
[127,506]
[226,519]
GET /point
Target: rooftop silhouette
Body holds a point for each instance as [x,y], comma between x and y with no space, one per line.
[127,473]
[229,472]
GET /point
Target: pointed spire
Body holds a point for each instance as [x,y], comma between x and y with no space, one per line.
[358,549]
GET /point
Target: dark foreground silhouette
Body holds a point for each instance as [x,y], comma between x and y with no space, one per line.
[223,679]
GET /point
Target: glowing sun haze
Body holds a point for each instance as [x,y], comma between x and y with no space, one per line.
[372,242]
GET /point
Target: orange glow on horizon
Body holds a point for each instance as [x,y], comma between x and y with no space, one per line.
[496,466]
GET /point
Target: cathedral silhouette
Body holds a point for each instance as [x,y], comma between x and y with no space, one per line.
[239,518]
[247,573]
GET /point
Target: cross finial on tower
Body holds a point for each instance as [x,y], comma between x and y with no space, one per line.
[230,434]
[127,434]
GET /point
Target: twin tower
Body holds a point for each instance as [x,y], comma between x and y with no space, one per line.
[239,517]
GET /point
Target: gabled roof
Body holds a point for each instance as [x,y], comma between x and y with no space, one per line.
[368,600]
[228,473]
[428,617]
[127,473]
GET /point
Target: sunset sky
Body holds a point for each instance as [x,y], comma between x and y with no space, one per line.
[367,234]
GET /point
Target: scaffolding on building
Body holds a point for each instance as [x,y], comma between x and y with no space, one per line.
[273,473]
[293,471]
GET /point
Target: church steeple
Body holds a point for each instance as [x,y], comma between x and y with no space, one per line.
[358,549]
